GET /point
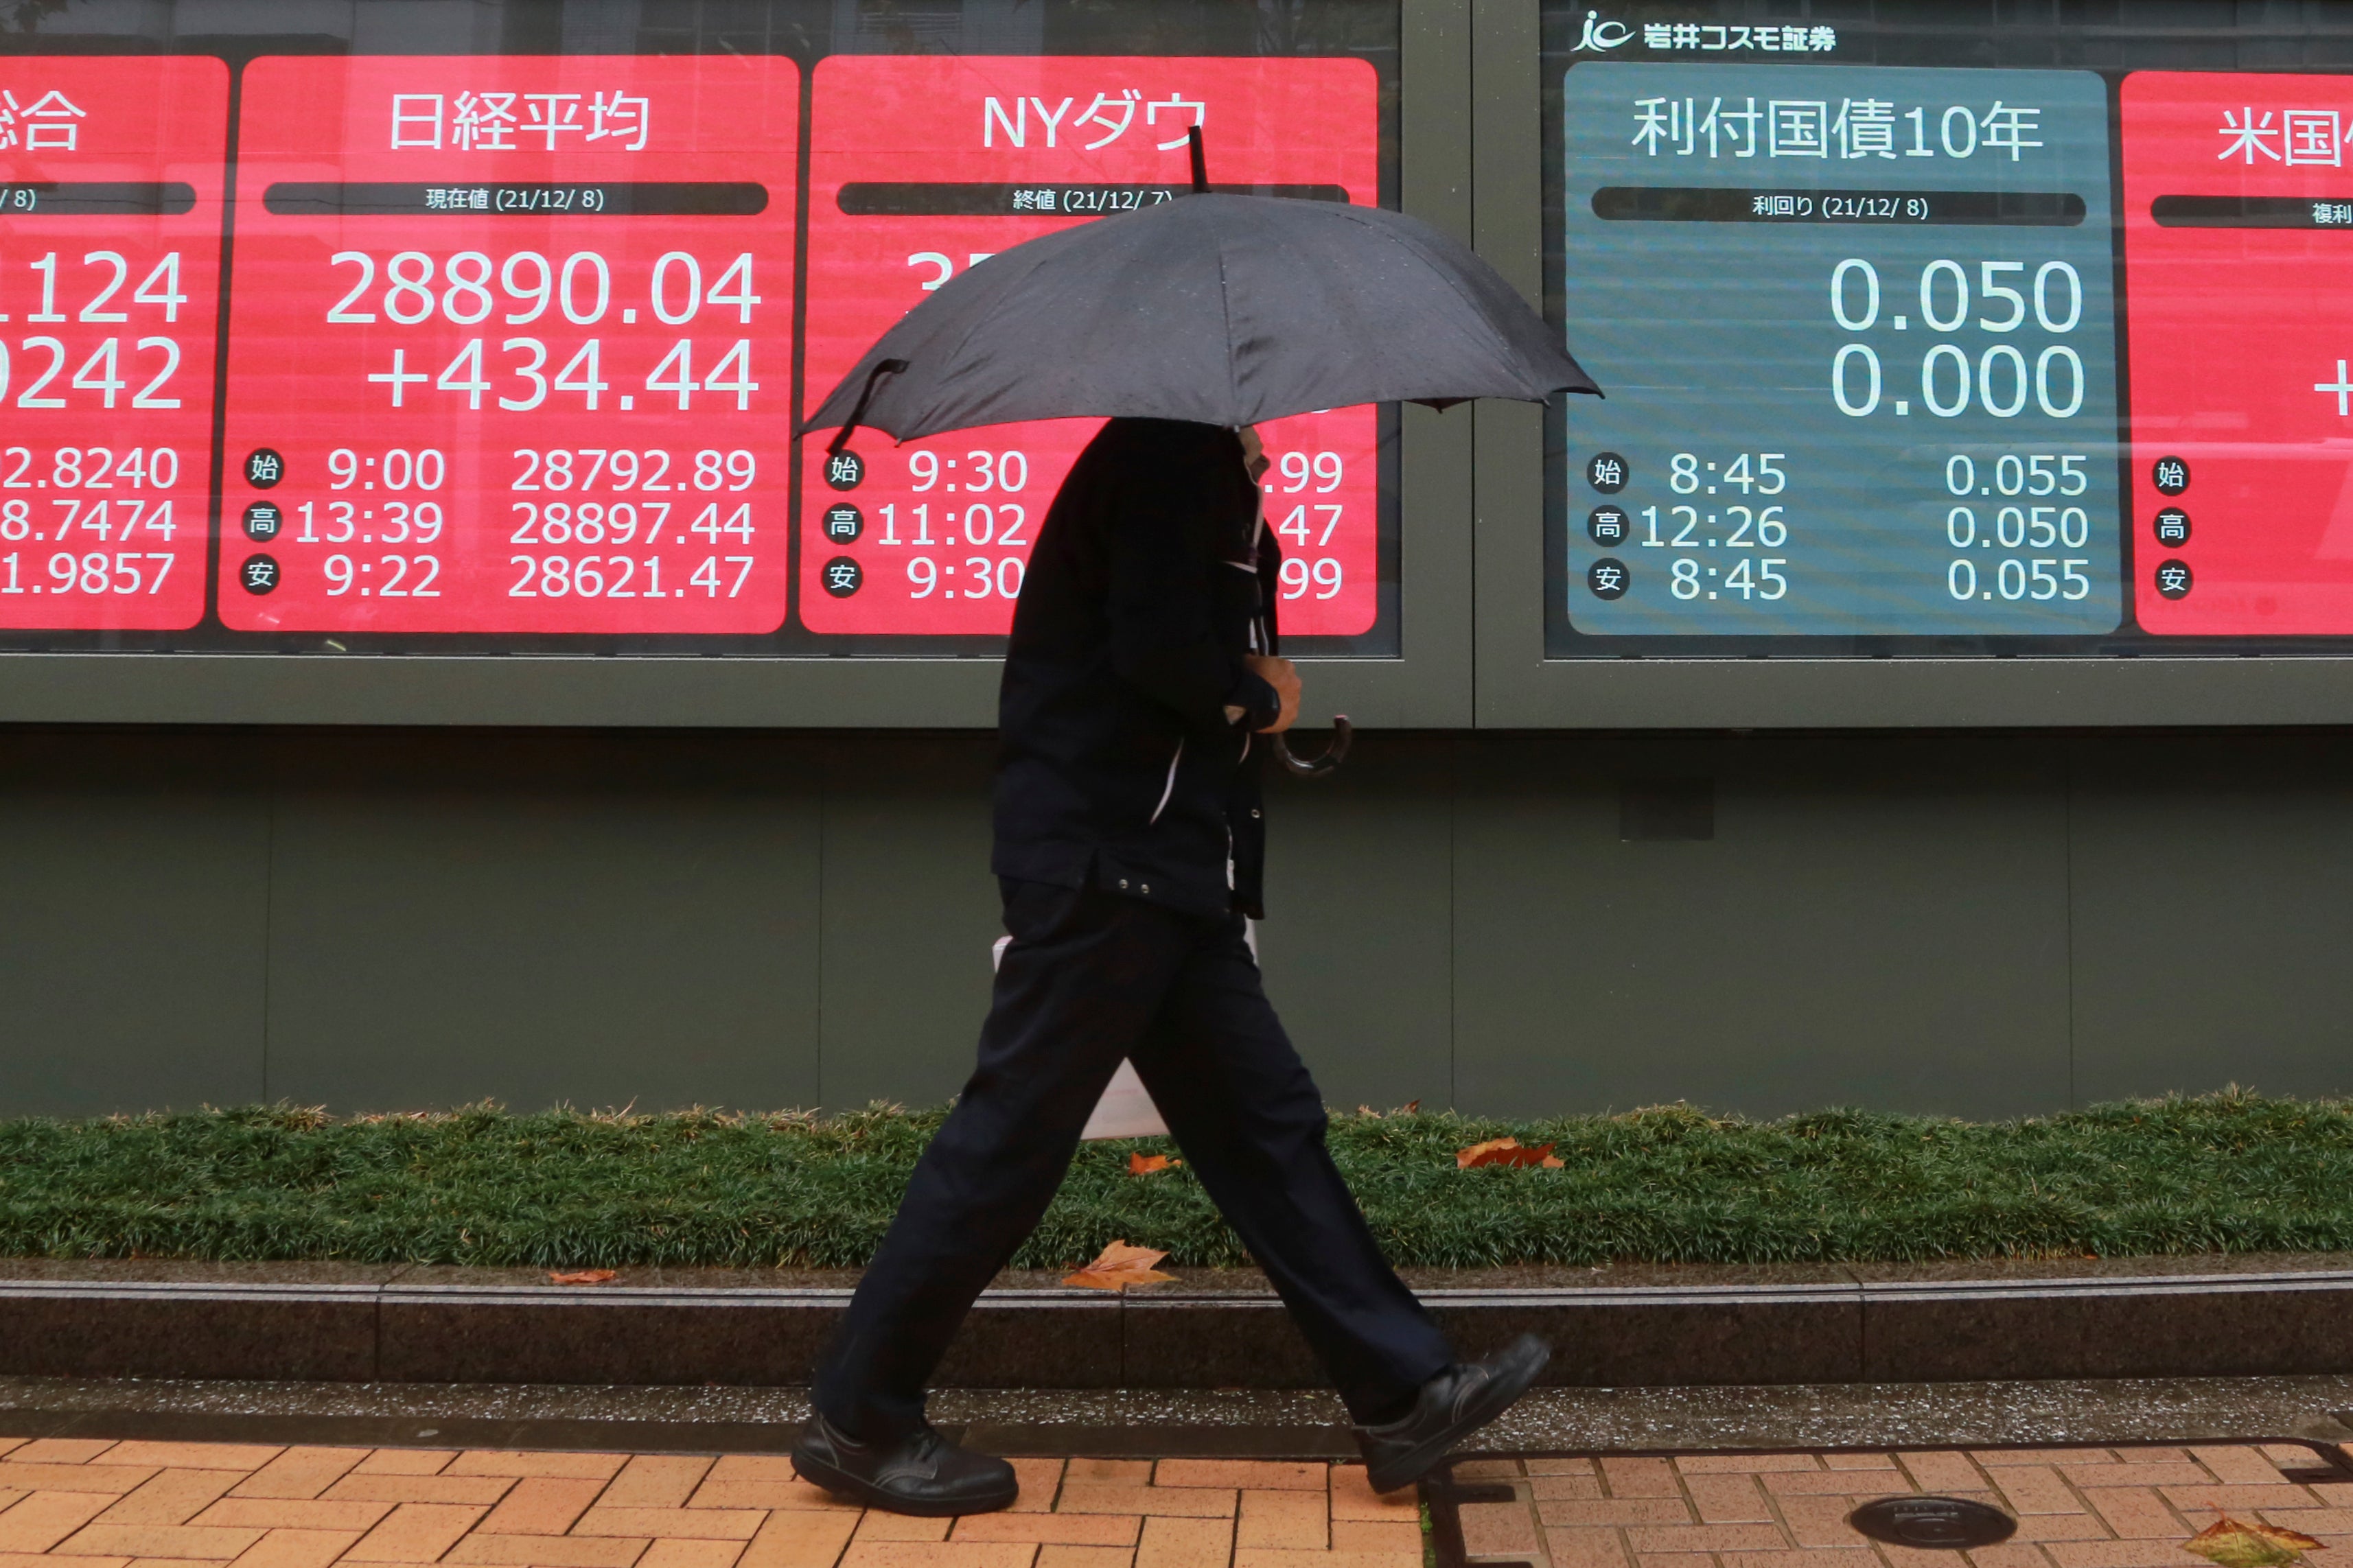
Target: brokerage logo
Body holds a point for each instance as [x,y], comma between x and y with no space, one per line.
[1672,37]
[1602,36]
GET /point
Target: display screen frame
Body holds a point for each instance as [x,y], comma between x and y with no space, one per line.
[1534,671]
[1471,595]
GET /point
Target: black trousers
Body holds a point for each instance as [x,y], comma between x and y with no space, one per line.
[1088,979]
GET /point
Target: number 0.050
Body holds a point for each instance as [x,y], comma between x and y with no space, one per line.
[2030,527]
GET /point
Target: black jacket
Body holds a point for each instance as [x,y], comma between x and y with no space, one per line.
[1120,764]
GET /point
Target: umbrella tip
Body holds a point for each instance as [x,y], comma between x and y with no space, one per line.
[866,396]
[1200,162]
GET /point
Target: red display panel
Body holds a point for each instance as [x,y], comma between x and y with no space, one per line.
[512,346]
[110,180]
[919,166]
[2238,263]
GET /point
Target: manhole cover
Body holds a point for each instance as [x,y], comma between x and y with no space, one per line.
[1949,1523]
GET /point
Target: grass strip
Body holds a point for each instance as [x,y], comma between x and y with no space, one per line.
[2227,1173]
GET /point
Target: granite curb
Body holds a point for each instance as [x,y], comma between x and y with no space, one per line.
[1630,1326]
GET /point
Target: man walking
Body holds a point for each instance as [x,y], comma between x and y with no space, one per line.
[1129,847]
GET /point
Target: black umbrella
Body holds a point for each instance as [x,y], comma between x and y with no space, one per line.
[1219,309]
[1223,310]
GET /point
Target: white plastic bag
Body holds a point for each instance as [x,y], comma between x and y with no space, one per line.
[1126,1110]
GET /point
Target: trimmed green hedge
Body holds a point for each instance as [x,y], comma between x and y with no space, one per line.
[2225,1172]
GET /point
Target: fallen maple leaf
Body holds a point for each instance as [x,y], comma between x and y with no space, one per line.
[582,1277]
[1144,1165]
[2233,1544]
[1504,1151]
[1118,1267]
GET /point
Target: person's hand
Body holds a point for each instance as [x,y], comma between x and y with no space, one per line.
[1284,676]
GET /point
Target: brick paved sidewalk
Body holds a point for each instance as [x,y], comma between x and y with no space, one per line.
[73,1503]
[2076,1508]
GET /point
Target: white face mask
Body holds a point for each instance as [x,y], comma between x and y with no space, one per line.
[1253,452]
[1255,461]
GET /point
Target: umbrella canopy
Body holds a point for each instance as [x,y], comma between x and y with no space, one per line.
[1223,310]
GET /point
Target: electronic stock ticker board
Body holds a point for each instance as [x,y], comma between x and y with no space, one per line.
[512,346]
[1895,365]
[931,536]
[1903,358]
[513,352]
[111,202]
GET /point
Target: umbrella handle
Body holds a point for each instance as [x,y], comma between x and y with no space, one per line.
[1331,758]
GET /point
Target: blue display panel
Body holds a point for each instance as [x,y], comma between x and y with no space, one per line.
[1857,326]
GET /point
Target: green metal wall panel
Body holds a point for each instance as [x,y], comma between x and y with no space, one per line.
[1873,923]
[910,912]
[1356,945]
[597,920]
[132,926]
[2213,915]
[1977,925]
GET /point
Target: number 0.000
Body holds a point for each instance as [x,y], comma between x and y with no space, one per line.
[1998,385]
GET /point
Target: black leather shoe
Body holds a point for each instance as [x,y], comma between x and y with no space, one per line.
[1450,1408]
[922,1473]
